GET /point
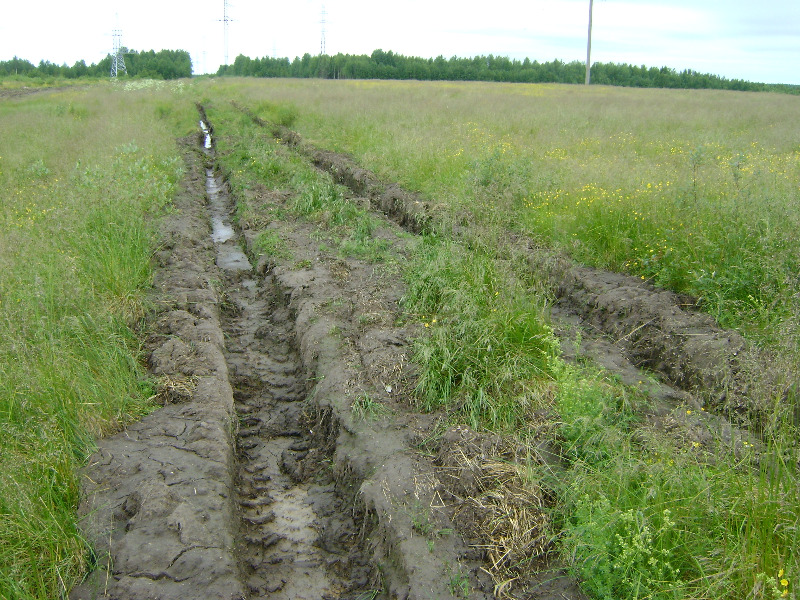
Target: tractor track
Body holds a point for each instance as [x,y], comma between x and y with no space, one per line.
[280,510]
[258,479]
[649,337]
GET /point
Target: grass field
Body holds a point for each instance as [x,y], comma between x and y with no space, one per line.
[692,190]
[696,191]
[84,174]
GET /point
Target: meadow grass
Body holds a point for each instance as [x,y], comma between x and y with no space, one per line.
[644,516]
[693,190]
[84,174]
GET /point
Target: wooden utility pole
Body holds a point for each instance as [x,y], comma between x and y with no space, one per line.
[589,46]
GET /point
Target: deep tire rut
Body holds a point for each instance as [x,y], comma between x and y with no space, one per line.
[278,547]
[258,478]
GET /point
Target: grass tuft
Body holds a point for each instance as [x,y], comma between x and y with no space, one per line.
[501,368]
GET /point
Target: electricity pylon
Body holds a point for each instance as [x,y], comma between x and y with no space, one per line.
[117,58]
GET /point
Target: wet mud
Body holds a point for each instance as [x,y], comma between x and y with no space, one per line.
[258,478]
[157,498]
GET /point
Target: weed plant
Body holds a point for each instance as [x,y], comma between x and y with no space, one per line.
[364,408]
[648,517]
[83,175]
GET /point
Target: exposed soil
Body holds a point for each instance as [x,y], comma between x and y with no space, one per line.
[257,478]
[17,92]
[286,461]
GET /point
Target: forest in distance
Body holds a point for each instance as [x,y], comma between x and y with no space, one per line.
[388,65]
[176,64]
[164,64]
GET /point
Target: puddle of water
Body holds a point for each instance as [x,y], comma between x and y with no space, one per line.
[229,255]
[221,231]
[207,134]
[221,228]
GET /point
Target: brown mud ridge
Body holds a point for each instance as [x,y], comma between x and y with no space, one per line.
[25,91]
[286,461]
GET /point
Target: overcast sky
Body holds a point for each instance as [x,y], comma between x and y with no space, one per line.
[738,39]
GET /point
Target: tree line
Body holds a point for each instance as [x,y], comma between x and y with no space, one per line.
[164,64]
[173,64]
[388,65]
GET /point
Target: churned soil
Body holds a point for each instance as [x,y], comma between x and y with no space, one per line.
[258,477]
[288,460]
[19,91]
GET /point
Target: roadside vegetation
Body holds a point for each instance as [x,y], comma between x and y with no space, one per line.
[84,175]
[693,191]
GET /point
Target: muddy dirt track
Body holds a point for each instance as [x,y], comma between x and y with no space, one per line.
[286,461]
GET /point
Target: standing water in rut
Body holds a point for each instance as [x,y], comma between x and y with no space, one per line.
[277,552]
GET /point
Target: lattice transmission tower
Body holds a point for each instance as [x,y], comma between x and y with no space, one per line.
[226,19]
[117,57]
[322,39]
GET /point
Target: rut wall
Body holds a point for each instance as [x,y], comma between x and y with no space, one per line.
[157,497]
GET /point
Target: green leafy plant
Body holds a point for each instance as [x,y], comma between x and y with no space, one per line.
[270,243]
[626,554]
[459,583]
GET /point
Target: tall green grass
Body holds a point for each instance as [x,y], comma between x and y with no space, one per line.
[505,363]
[645,516]
[693,190]
[84,175]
